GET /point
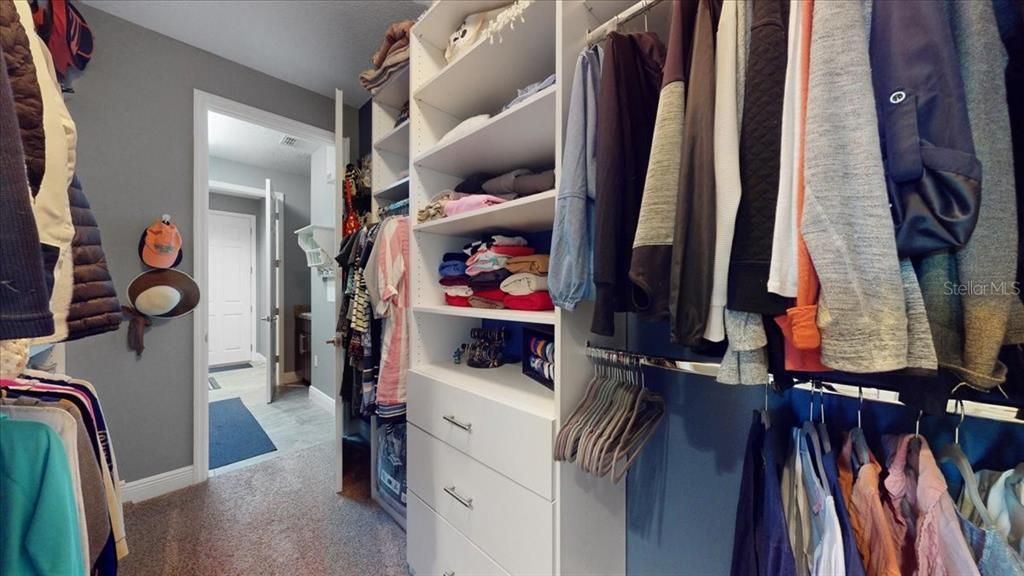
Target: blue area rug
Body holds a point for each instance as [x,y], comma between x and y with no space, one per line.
[235,435]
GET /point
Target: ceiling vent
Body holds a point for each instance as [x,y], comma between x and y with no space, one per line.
[287,140]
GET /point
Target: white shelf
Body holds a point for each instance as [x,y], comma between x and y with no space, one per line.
[396,91]
[397,190]
[530,214]
[486,77]
[442,18]
[396,140]
[506,384]
[520,137]
[525,316]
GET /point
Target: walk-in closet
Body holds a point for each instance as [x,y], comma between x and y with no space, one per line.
[600,287]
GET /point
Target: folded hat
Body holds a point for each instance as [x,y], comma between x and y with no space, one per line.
[454,257]
[492,294]
[463,291]
[512,250]
[452,268]
[539,300]
[489,280]
[462,280]
[522,283]
[460,301]
[535,263]
[478,302]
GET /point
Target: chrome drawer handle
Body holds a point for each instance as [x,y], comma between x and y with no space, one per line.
[468,427]
[467,502]
[449,573]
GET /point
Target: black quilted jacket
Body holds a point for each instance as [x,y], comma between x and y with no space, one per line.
[94,305]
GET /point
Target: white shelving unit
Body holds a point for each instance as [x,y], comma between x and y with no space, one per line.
[488,433]
[390,157]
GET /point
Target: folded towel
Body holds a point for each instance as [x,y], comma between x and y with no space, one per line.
[536,263]
[523,283]
[477,302]
[512,250]
[471,203]
[492,294]
[463,291]
[460,301]
[489,280]
[462,280]
[452,269]
[539,300]
[454,257]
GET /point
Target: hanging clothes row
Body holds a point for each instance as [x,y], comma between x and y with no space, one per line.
[58,458]
[804,182]
[372,322]
[825,508]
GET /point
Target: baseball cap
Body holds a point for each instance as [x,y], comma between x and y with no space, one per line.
[160,246]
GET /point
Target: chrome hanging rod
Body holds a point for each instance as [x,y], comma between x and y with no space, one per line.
[597,34]
[710,369]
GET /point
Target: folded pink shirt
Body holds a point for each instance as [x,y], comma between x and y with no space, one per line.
[470,203]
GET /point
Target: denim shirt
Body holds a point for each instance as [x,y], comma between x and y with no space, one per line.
[571,276]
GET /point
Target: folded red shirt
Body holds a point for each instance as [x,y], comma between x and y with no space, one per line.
[512,250]
[492,294]
[456,300]
[539,300]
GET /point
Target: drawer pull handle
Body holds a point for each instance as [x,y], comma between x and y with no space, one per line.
[449,573]
[468,427]
[467,502]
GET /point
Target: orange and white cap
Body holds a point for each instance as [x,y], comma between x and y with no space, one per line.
[161,244]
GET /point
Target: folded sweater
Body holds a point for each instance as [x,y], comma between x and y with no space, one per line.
[523,283]
[452,268]
[538,301]
[536,263]
[489,280]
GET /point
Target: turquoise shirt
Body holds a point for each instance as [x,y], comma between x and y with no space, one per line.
[39,530]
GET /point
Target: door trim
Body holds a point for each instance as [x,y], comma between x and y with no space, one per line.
[253,293]
[202,104]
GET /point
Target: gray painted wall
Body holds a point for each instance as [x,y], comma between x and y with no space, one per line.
[296,215]
[239,205]
[133,108]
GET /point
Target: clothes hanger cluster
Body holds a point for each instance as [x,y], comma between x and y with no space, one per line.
[616,418]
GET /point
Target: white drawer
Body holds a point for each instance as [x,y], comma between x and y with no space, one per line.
[508,522]
[435,548]
[514,442]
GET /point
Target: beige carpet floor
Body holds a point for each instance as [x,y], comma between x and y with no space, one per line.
[277,518]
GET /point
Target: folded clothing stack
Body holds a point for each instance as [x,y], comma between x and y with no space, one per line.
[526,287]
[482,190]
[454,281]
[390,58]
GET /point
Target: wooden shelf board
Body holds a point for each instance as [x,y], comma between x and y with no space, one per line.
[397,190]
[395,140]
[525,316]
[530,214]
[523,136]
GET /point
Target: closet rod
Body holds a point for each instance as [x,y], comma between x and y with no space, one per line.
[710,369]
[970,408]
[598,34]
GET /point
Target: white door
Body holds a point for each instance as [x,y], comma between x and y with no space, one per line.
[232,287]
[274,264]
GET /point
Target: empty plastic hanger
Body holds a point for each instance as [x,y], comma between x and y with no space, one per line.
[955,454]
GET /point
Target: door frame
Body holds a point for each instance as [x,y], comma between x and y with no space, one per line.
[253,293]
[202,104]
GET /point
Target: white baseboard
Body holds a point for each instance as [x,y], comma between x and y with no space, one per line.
[158,485]
[290,377]
[321,399]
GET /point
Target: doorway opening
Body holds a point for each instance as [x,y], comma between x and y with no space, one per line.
[263,391]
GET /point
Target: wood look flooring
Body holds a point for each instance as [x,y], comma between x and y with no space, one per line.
[293,420]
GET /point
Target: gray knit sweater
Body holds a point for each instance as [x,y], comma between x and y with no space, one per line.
[987,265]
[847,227]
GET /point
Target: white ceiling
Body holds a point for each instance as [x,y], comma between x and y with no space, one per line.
[241,141]
[317,44]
